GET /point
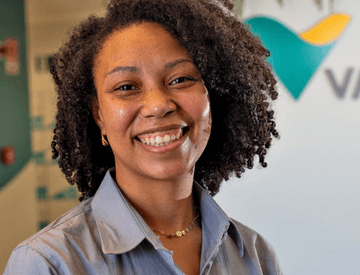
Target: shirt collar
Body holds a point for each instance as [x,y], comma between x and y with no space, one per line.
[121,227]
[215,222]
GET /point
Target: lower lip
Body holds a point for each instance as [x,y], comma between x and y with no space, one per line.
[165,148]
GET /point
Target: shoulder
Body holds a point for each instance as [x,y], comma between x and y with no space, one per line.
[253,239]
[257,247]
[73,222]
[26,260]
[43,250]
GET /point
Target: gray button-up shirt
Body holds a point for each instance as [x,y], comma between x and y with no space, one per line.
[106,235]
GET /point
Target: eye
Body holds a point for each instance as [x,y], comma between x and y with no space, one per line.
[126,90]
[126,87]
[182,80]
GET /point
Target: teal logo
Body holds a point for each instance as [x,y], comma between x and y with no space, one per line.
[15,129]
[296,57]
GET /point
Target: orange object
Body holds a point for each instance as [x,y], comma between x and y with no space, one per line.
[8,155]
[10,51]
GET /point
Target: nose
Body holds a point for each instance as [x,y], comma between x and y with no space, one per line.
[157,102]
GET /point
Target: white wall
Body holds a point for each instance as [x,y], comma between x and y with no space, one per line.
[307,202]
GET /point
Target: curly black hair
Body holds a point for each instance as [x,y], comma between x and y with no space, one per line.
[232,63]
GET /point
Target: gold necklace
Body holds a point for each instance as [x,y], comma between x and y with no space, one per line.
[182,232]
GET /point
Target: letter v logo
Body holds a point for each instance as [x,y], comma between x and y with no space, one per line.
[296,57]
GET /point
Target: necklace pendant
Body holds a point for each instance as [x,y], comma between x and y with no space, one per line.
[182,232]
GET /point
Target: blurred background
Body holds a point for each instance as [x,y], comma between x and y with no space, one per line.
[306,202]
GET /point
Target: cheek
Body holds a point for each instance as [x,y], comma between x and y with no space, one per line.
[117,117]
[198,107]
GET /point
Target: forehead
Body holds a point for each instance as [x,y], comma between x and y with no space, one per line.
[137,43]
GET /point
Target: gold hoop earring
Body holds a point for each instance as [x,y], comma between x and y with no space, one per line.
[104,141]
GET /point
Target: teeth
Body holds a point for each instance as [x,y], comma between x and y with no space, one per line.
[166,138]
[159,141]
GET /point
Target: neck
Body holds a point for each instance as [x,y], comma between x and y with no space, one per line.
[165,205]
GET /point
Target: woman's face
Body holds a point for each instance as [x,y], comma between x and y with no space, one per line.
[151,103]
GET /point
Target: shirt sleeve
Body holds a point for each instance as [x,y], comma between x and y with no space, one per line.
[25,261]
[267,256]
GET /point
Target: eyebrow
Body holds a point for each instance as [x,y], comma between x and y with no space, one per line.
[134,69]
[176,62]
[124,69]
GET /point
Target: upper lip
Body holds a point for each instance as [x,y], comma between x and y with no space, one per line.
[162,129]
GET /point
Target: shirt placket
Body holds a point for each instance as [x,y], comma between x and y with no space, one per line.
[207,267]
[168,256]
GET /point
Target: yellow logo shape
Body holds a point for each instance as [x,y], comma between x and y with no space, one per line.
[327,30]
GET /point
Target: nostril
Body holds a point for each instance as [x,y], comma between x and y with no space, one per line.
[154,108]
[169,112]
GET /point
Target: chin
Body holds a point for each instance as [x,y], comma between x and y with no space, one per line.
[169,173]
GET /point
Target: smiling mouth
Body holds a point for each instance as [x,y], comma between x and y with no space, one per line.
[162,138]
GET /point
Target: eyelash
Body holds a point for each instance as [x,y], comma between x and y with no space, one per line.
[184,78]
[126,85]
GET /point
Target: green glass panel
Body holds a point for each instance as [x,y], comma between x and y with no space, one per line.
[14,103]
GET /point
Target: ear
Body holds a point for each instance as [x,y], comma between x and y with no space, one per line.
[98,116]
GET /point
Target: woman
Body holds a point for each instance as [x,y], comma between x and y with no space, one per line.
[134,96]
